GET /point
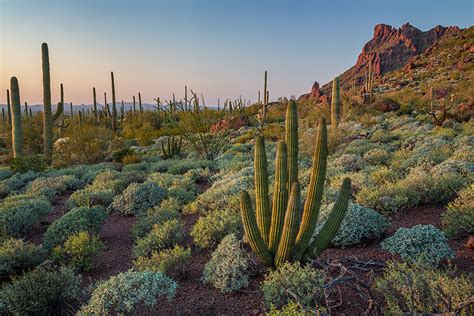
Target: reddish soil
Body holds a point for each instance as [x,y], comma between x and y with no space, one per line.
[195,298]
[35,235]
[117,257]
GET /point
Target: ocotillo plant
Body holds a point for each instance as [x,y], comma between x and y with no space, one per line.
[48,116]
[335,105]
[280,234]
[17,131]
[114,106]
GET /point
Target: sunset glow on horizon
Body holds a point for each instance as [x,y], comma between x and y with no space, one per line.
[218,48]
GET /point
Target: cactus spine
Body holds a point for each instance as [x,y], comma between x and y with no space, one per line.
[335,104]
[17,132]
[289,239]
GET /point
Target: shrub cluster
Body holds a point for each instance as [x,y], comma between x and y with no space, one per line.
[170,261]
[126,291]
[87,219]
[17,256]
[458,220]
[424,241]
[161,236]
[138,197]
[227,269]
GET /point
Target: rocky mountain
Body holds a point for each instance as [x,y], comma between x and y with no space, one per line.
[390,49]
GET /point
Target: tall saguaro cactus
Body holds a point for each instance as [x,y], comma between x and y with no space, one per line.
[17,131]
[335,104]
[9,109]
[289,236]
[94,95]
[114,106]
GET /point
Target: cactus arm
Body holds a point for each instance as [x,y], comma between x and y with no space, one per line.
[280,197]
[114,106]
[292,142]
[252,231]
[9,109]
[263,210]
[290,227]
[332,224]
[315,191]
[17,131]
[60,108]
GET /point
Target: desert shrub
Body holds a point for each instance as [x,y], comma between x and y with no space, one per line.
[350,162]
[169,261]
[295,309]
[116,181]
[5,173]
[458,220]
[181,166]
[88,219]
[16,217]
[360,224]
[227,269]
[79,251]
[160,237]
[358,147]
[138,197]
[382,136]
[89,197]
[46,290]
[86,144]
[377,157]
[131,159]
[28,163]
[124,292]
[211,228]
[120,154]
[420,288]
[304,282]
[17,256]
[58,184]
[86,173]
[16,182]
[419,241]
[167,210]
[224,193]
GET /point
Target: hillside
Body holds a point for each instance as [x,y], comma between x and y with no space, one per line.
[408,57]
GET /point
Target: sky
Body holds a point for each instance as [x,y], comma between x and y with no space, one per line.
[220,48]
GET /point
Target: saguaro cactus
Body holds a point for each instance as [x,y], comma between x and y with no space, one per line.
[288,239]
[9,108]
[140,102]
[335,104]
[96,114]
[17,131]
[114,106]
[48,117]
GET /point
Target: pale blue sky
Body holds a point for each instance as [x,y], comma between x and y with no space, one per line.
[220,48]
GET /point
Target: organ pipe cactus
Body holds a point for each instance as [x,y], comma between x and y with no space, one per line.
[17,131]
[48,116]
[96,114]
[282,234]
[9,109]
[335,104]
[173,147]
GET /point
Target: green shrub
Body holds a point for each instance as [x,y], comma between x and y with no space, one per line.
[209,230]
[304,282]
[419,288]
[295,309]
[350,162]
[118,155]
[88,219]
[58,184]
[168,209]
[227,269]
[28,163]
[458,220]
[16,182]
[79,251]
[161,236]
[377,157]
[360,224]
[116,181]
[17,256]
[5,173]
[16,217]
[424,241]
[46,290]
[169,261]
[137,198]
[89,197]
[124,292]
